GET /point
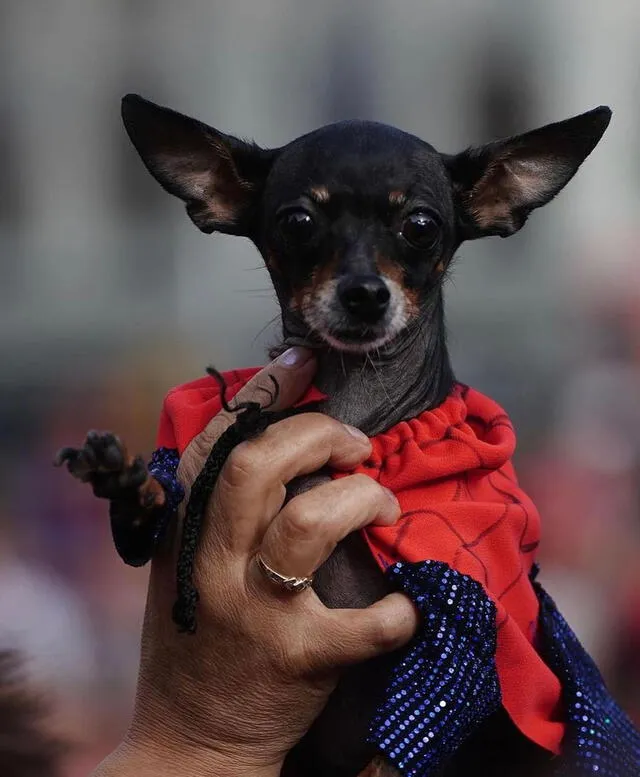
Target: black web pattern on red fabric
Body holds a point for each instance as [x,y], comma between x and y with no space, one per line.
[467,546]
[463,489]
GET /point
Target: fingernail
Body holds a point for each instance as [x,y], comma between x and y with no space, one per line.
[294,357]
[391,495]
[392,513]
[356,433]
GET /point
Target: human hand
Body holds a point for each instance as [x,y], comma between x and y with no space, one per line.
[234,698]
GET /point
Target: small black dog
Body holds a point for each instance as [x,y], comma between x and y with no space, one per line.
[357,223]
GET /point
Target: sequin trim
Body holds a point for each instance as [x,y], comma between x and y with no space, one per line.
[600,739]
[164,468]
[447,682]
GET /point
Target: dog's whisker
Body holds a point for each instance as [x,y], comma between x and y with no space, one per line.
[266,326]
[363,369]
[344,367]
[392,405]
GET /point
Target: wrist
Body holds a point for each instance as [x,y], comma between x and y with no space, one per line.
[173,733]
[150,759]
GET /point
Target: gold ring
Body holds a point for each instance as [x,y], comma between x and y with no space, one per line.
[291,584]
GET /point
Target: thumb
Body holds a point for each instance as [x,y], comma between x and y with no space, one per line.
[293,372]
[354,636]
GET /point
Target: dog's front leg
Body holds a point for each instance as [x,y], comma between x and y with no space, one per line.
[137,500]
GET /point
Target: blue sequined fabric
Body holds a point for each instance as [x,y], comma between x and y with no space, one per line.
[447,682]
[164,468]
[600,739]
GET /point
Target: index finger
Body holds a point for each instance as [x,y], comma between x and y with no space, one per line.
[293,372]
[296,446]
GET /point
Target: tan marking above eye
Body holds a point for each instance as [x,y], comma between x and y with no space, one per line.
[319,193]
[397,198]
[440,267]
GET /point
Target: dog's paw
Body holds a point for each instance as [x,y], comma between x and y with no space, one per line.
[104,462]
[102,452]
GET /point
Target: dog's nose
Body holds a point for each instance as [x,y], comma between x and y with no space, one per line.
[366,297]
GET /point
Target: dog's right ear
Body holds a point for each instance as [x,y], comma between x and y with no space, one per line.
[219,177]
[497,186]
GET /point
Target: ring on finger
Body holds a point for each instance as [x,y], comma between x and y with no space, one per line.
[291,584]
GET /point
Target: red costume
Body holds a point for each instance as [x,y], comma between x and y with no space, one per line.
[461,504]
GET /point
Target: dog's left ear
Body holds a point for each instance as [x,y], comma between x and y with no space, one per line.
[219,177]
[498,185]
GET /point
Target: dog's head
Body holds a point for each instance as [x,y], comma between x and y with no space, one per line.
[357,221]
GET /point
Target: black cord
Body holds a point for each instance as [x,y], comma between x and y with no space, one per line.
[251,421]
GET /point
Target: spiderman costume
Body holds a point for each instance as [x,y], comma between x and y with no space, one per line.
[464,551]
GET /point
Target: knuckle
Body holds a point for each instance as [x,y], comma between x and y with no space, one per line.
[383,635]
[316,422]
[300,657]
[365,483]
[241,464]
[298,522]
[311,430]
[365,490]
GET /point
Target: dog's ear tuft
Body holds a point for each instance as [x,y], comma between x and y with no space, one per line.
[219,177]
[498,185]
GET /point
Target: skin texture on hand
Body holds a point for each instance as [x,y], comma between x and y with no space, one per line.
[235,697]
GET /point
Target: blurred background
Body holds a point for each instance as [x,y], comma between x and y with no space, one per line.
[109,296]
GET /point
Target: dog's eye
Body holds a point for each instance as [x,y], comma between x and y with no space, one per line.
[421,230]
[297,225]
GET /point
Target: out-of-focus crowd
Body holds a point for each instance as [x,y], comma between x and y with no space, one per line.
[67,601]
[584,474]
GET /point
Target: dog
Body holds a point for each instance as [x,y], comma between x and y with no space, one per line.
[358,224]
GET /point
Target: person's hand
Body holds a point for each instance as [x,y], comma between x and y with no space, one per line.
[234,698]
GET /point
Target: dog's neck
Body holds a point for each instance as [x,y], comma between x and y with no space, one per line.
[375,391]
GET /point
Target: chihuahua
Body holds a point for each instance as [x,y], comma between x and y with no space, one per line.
[358,224]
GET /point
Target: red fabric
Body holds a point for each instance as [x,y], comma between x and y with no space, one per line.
[461,504]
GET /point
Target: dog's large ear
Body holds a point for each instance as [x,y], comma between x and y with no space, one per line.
[218,176]
[496,186]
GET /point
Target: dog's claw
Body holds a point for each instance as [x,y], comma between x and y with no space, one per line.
[113,455]
[79,462]
[64,454]
[135,496]
[102,454]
